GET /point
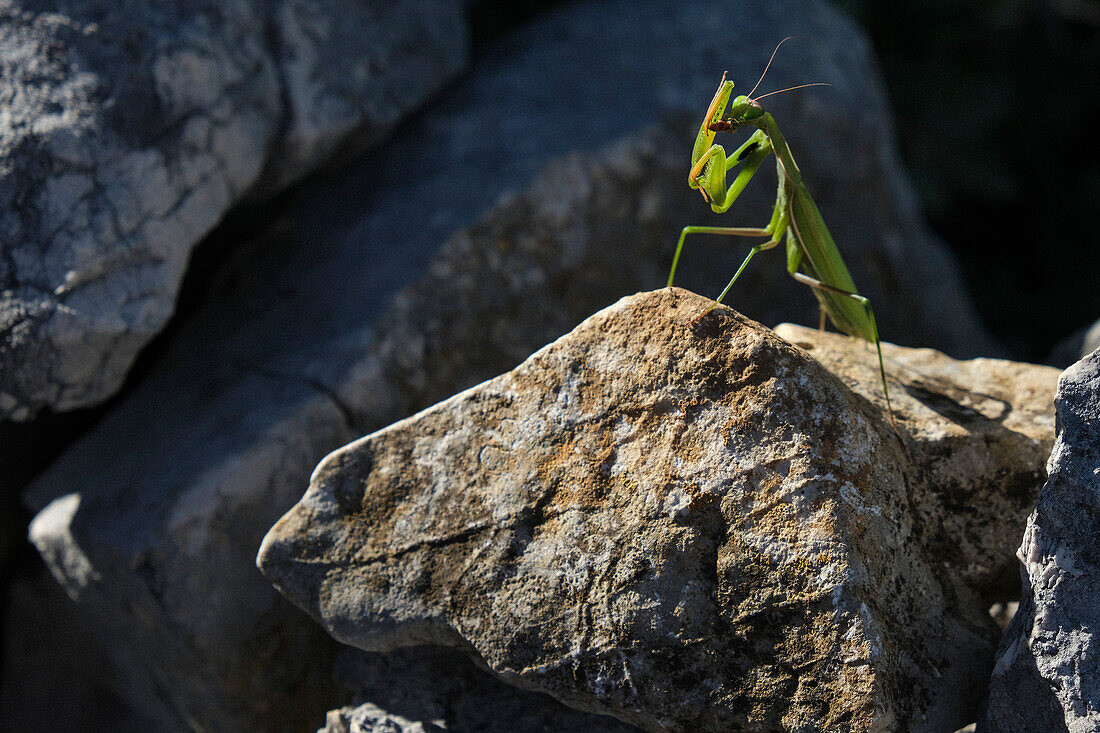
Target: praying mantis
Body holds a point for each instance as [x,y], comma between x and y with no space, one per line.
[812,256]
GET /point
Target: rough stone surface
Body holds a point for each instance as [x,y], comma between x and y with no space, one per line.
[128,133]
[687,526]
[172,511]
[1047,676]
[424,689]
[352,71]
[302,344]
[982,415]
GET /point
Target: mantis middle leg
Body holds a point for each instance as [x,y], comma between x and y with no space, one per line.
[774,231]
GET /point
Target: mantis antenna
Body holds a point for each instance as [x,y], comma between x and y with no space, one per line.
[749,95]
[791,89]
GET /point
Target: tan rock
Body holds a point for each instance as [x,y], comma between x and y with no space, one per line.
[688,527]
[965,423]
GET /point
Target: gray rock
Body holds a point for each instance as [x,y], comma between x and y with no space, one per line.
[159,573]
[302,344]
[352,71]
[689,526]
[986,413]
[433,688]
[1047,676]
[159,539]
[131,130]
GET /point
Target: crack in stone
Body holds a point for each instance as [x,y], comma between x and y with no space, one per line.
[347,414]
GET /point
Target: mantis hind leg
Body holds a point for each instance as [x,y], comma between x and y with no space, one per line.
[863,301]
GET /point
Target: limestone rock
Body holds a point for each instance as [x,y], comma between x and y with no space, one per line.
[130,130]
[686,526]
[1047,676]
[352,71]
[169,512]
[972,417]
[157,572]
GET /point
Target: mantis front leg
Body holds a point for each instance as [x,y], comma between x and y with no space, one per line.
[708,175]
[709,172]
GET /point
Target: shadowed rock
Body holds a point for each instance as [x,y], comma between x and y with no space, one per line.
[686,526]
[422,689]
[1047,676]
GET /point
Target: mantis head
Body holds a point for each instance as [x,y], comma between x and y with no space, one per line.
[709,164]
[742,111]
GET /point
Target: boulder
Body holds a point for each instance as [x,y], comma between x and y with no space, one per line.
[1047,677]
[158,580]
[156,522]
[130,131]
[689,524]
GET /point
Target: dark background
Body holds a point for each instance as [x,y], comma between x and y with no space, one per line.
[996,111]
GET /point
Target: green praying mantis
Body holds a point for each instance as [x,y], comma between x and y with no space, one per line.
[812,256]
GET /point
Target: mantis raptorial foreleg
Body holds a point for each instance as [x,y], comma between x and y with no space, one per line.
[703,176]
